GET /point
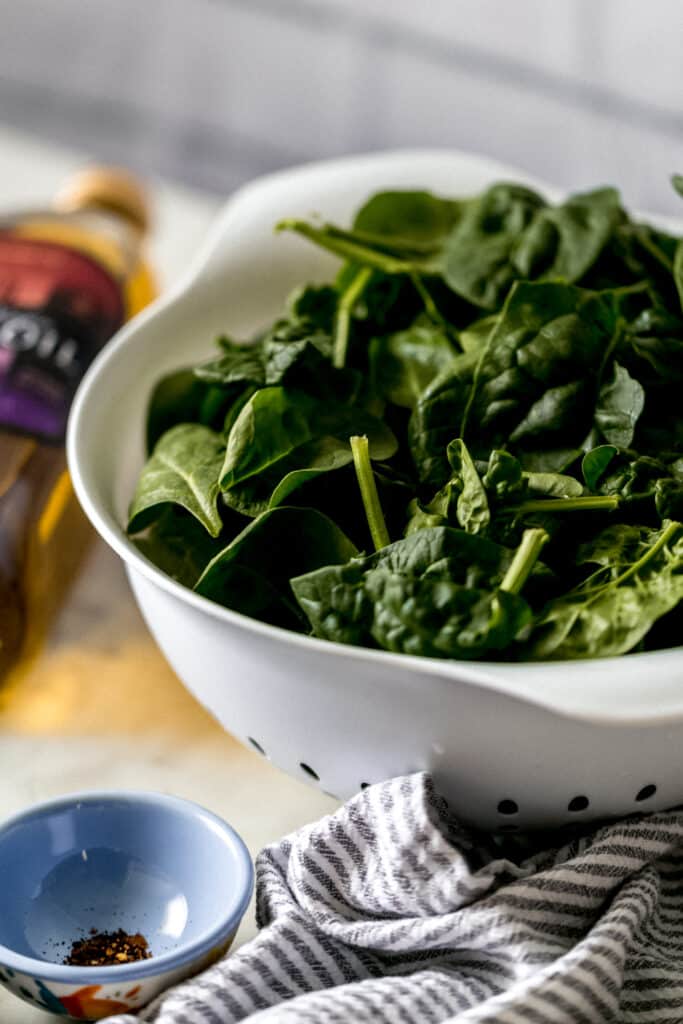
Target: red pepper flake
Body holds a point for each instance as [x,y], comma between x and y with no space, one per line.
[107,949]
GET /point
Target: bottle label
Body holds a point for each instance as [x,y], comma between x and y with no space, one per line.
[57,309]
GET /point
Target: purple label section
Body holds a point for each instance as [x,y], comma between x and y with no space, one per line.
[23,411]
[41,362]
[33,398]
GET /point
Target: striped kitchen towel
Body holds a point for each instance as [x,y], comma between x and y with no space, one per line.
[390,912]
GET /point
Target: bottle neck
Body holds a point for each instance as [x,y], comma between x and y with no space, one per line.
[110,239]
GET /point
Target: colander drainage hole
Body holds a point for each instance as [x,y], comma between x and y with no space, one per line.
[646,792]
[508,807]
[256,745]
[578,803]
[309,771]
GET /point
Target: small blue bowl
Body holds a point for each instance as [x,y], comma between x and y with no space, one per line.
[143,862]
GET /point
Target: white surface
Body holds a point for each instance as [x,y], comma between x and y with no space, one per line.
[100,708]
[486,729]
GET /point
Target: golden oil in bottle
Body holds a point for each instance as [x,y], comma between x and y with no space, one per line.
[69,277]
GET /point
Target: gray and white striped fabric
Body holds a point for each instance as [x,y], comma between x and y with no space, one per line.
[390,912]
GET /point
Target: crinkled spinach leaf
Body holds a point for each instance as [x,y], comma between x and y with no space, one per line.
[293,353]
[438,592]
[604,618]
[533,383]
[509,233]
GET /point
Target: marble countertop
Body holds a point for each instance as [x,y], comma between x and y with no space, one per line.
[100,708]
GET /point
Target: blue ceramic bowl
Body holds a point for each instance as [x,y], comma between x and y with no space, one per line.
[144,862]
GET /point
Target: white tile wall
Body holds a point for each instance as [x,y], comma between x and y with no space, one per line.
[214,91]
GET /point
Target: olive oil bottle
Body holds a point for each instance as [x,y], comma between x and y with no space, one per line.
[69,277]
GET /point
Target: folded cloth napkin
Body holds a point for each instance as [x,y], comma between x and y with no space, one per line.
[390,912]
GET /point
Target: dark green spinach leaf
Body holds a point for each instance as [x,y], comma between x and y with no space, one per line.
[403,364]
[281,431]
[251,575]
[509,233]
[547,339]
[178,545]
[595,463]
[437,593]
[620,402]
[533,383]
[183,470]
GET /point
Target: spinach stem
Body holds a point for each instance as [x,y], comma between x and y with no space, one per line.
[343,322]
[349,250]
[478,370]
[524,560]
[428,302]
[661,542]
[368,491]
[598,502]
[592,594]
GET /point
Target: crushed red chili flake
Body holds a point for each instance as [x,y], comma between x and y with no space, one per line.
[108,949]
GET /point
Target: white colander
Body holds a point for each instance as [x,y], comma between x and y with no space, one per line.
[512,746]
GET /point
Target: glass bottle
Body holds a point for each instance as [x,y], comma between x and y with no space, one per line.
[69,277]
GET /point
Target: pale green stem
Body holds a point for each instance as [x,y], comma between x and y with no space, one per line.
[349,250]
[661,542]
[368,490]
[427,300]
[343,322]
[524,560]
[594,593]
[605,503]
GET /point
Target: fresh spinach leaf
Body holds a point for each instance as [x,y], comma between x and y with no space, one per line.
[183,470]
[595,463]
[291,354]
[280,424]
[403,364]
[504,478]
[178,545]
[547,339]
[414,220]
[604,619]
[509,233]
[532,384]
[315,305]
[552,485]
[180,398]
[438,593]
[251,575]
[620,402]
[480,246]
[322,456]
[237,364]
[463,500]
